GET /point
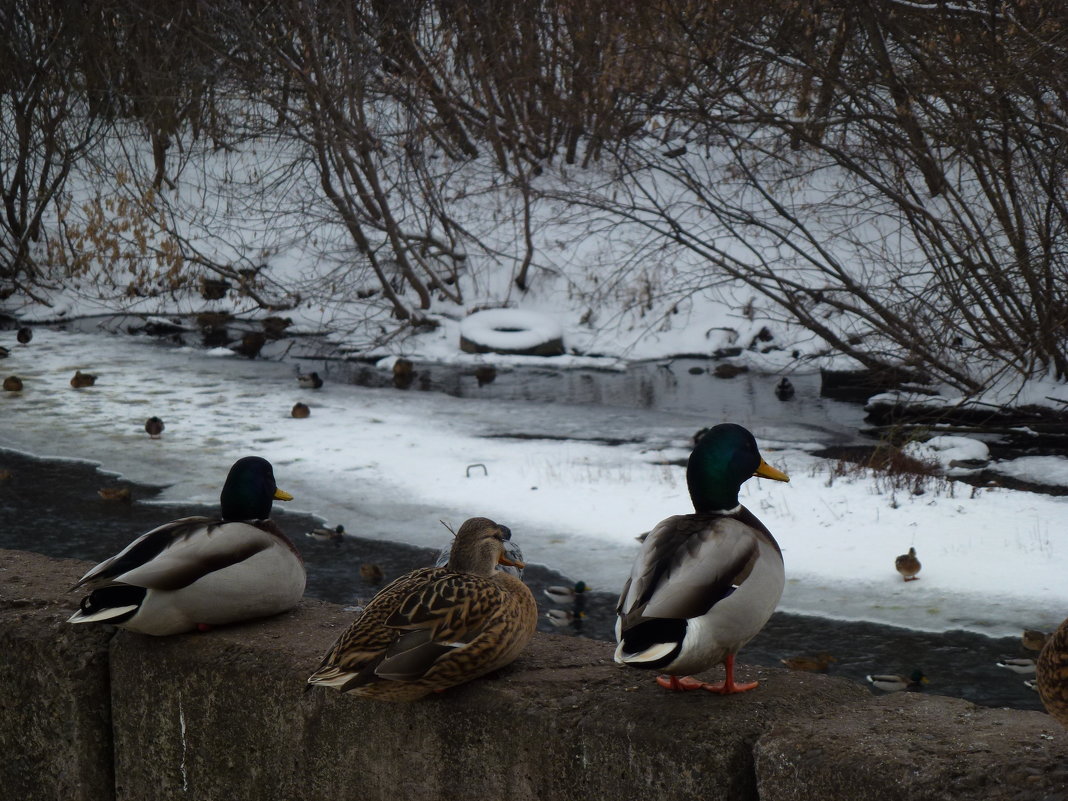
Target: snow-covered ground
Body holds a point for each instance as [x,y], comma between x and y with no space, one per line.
[390,464]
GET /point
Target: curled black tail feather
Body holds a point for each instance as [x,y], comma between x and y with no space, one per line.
[653,631]
[113,597]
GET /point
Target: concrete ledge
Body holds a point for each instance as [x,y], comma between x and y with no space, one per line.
[225,715]
[55,716]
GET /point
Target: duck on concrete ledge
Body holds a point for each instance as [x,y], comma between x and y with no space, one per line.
[704,584]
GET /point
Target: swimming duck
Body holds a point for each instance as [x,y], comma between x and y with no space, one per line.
[198,572]
[300,411]
[565,596]
[13,383]
[1033,640]
[80,379]
[1052,674]
[335,535]
[309,380]
[1021,666]
[118,494]
[703,584]
[24,335]
[436,627]
[892,683]
[908,565]
[784,390]
[154,427]
[815,664]
[371,573]
[403,373]
[514,565]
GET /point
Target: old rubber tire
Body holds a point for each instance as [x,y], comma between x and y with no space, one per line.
[511,331]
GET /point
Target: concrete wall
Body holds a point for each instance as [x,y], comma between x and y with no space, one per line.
[225,715]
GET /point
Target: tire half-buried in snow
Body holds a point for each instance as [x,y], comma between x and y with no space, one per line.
[511,331]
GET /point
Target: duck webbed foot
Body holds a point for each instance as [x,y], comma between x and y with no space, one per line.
[725,687]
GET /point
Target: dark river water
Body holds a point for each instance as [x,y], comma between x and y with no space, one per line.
[52,507]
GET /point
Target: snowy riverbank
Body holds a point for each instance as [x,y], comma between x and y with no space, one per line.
[390,464]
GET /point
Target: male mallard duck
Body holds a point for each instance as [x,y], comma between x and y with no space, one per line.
[300,411]
[309,380]
[80,379]
[24,335]
[908,565]
[201,571]
[564,596]
[335,535]
[514,565]
[785,390]
[1021,666]
[436,627]
[1033,640]
[13,383]
[815,664]
[703,584]
[154,427]
[892,683]
[1052,674]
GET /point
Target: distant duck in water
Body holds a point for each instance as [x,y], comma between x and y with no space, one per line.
[565,596]
[13,383]
[814,664]
[891,683]
[1021,666]
[335,535]
[154,427]
[785,390]
[1034,640]
[300,410]
[80,380]
[309,380]
[371,573]
[403,373]
[117,494]
[24,335]
[908,565]
[705,583]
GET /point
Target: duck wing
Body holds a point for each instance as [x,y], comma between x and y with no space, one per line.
[689,563]
[179,553]
[446,616]
[358,651]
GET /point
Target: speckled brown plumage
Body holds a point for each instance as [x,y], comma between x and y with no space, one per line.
[1052,674]
[436,627]
[908,565]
